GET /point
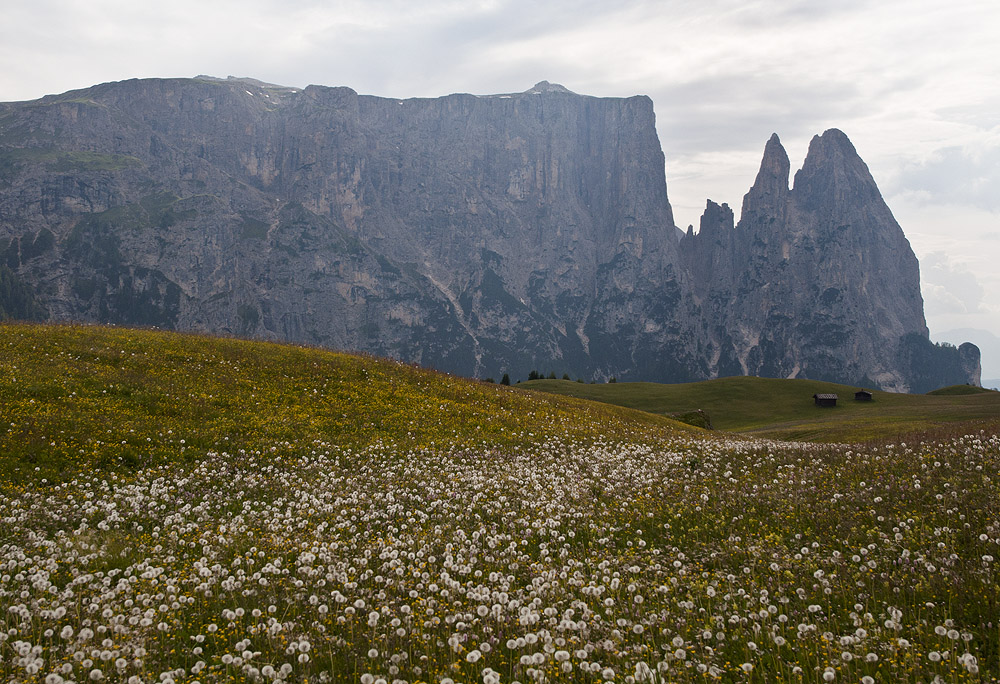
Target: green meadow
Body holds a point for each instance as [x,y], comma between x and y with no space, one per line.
[784,409]
[76,398]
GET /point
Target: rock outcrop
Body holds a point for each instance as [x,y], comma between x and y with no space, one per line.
[815,281]
[475,234]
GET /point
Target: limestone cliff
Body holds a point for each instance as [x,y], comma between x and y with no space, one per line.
[475,234]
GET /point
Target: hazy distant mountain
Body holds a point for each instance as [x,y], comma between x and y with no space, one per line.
[478,235]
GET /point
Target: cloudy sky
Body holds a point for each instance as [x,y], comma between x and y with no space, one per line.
[915,84]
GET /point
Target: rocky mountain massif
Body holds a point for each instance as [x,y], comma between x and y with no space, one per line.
[475,234]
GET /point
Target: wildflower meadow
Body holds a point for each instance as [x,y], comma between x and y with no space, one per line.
[339,519]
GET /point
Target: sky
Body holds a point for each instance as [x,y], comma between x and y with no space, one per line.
[915,84]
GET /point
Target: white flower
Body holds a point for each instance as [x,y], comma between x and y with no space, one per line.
[967,659]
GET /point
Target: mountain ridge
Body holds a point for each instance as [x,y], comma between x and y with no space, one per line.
[475,234]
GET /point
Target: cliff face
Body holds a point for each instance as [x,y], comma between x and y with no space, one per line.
[479,235]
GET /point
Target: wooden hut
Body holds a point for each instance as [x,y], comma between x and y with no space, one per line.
[825,399]
[863,395]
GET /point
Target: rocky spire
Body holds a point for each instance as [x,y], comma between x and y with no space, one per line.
[769,193]
[834,174]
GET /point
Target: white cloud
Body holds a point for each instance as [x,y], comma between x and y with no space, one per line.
[952,286]
[967,176]
[957,284]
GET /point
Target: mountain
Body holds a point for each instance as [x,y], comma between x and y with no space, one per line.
[817,280]
[474,234]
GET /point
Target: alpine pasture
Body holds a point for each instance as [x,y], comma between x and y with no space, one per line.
[189,509]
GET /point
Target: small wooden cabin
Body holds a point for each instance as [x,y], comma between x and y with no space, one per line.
[825,399]
[863,395]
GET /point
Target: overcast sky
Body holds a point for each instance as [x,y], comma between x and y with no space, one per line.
[915,84]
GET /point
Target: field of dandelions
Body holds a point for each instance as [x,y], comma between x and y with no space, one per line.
[533,547]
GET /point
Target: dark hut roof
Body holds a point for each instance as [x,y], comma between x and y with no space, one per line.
[825,396]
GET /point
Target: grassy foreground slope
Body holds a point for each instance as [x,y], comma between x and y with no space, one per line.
[263,513]
[86,397]
[784,409]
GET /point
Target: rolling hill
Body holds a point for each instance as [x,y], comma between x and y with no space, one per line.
[85,397]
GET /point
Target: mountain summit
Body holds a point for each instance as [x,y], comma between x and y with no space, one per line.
[478,235]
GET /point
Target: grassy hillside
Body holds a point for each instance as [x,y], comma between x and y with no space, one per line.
[208,510]
[954,390]
[85,397]
[784,409]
